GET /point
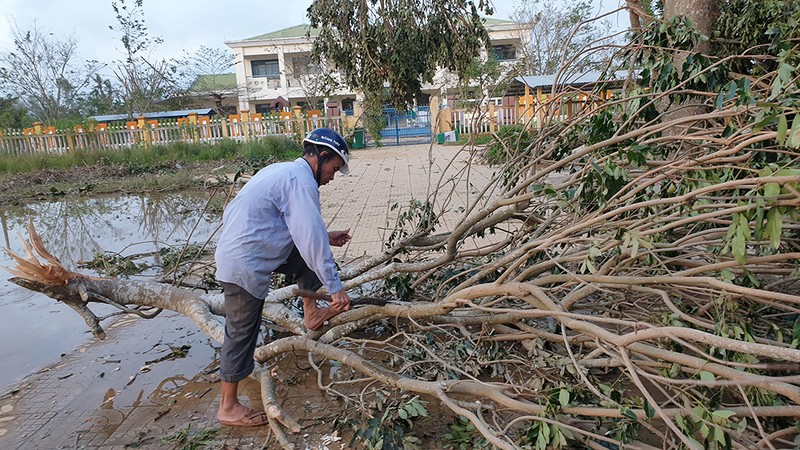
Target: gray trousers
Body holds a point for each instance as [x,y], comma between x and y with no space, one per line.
[243,319]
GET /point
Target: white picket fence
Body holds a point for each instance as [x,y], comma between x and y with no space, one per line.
[119,137]
[485,119]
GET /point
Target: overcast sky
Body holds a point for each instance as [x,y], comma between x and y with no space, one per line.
[184,25]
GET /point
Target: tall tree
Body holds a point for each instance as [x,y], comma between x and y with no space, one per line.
[559,32]
[312,80]
[102,98]
[12,115]
[45,73]
[144,81]
[205,74]
[702,13]
[399,43]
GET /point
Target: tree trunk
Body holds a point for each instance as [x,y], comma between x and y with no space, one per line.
[702,13]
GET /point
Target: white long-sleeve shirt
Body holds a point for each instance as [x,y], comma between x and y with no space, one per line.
[276,210]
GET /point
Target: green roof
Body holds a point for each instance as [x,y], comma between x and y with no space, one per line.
[222,81]
[490,21]
[299,31]
[296,31]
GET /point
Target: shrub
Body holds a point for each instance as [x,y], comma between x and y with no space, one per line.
[510,141]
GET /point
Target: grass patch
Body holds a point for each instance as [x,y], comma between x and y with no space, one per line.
[165,168]
[511,141]
[141,159]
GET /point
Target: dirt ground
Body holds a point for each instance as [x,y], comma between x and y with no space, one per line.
[113,394]
[127,391]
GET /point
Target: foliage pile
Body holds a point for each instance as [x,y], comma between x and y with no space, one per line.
[644,290]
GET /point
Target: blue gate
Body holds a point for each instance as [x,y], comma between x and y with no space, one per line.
[410,127]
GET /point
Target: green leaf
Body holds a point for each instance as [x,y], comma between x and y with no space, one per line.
[793,139]
[718,435]
[723,414]
[774,227]
[679,421]
[727,275]
[739,247]
[779,84]
[627,412]
[783,126]
[649,410]
[762,121]
[694,443]
[706,376]
[402,413]
[731,86]
[720,100]
[563,397]
[772,190]
[704,431]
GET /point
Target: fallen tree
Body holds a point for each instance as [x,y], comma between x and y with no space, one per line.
[640,289]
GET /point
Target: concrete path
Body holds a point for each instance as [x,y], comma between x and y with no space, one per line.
[116,394]
[381,178]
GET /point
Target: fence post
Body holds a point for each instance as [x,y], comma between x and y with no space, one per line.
[225,131]
[70,142]
[143,130]
[193,125]
[541,102]
[492,122]
[244,118]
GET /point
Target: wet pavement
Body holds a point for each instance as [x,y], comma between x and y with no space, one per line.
[152,379]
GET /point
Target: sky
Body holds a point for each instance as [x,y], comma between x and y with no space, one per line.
[183,25]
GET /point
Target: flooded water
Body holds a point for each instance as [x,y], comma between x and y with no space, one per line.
[36,330]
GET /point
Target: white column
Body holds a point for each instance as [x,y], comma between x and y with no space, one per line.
[282,68]
[243,90]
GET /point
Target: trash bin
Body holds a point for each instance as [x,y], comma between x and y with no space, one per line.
[358,138]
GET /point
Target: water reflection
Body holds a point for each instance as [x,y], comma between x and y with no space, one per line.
[74,229]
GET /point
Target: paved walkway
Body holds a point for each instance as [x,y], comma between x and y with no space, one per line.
[120,393]
[381,178]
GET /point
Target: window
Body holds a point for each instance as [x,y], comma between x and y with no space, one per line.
[505,52]
[302,65]
[265,69]
[347,106]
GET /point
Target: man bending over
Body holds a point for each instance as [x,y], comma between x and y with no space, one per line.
[274,224]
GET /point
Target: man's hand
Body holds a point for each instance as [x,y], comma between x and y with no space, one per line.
[340,301]
[339,238]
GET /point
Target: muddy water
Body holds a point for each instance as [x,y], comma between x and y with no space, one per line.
[36,330]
